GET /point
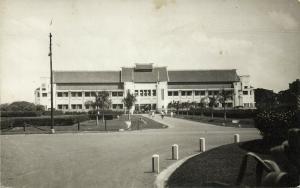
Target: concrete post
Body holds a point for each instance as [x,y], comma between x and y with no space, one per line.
[155,163]
[236,138]
[202,144]
[175,155]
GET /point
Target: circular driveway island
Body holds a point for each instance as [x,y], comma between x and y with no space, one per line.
[114,159]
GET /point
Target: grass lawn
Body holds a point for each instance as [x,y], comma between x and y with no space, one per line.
[138,123]
[244,123]
[217,165]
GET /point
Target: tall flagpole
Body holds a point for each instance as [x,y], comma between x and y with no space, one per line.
[51,83]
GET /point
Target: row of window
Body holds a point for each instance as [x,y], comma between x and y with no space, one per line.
[147,92]
[190,93]
[43,94]
[87,106]
[246,92]
[87,94]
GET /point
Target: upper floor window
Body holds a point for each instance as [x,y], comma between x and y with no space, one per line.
[44,94]
[120,94]
[136,92]
[38,94]
[145,93]
[189,93]
[183,93]
[175,93]
[210,92]
[114,94]
[141,93]
[153,92]
[245,92]
[87,94]
[169,93]
[202,92]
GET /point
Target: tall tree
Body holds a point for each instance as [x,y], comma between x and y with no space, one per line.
[129,101]
[213,102]
[224,96]
[265,99]
[102,102]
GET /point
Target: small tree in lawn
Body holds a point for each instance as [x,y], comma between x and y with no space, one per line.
[203,104]
[224,96]
[129,101]
[193,107]
[213,102]
[102,102]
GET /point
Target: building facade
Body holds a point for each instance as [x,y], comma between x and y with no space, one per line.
[154,87]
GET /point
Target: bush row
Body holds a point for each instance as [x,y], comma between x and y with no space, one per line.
[240,114]
[43,121]
[114,113]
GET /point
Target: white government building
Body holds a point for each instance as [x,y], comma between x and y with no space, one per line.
[154,87]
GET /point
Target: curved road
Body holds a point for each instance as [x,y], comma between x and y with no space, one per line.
[118,159]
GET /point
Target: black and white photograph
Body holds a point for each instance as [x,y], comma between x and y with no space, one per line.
[149,93]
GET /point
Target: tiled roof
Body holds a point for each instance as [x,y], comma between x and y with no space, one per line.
[203,76]
[86,76]
[148,66]
[156,74]
[199,86]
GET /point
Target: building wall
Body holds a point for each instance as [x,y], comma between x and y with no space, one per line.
[159,98]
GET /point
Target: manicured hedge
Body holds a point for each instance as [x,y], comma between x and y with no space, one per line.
[236,113]
[114,113]
[55,113]
[20,113]
[42,121]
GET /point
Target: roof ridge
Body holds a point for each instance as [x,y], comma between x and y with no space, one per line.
[86,71]
[201,69]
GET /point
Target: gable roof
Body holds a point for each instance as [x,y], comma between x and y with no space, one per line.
[203,76]
[86,76]
[154,75]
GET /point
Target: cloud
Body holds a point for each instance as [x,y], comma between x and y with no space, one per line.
[284,20]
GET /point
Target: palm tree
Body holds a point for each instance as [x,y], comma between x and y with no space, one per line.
[128,101]
[224,96]
[213,102]
[102,102]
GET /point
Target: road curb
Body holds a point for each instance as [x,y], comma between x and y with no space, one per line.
[162,178]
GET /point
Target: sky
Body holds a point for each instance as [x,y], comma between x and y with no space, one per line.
[260,38]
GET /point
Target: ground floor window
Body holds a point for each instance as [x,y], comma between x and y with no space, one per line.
[117,106]
[62,107]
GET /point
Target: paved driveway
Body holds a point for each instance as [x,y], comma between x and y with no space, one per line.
[119,159]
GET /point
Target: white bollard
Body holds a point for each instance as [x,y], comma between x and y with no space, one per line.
[236,138]
[202,144]
[52,131]
[175,155]
[155,163]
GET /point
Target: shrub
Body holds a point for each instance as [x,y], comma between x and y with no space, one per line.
[43,121]
[55,113]
[274,125]
[115,113]
[20,113]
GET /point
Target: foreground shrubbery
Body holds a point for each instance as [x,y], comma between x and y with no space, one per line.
[42,121]
[274,124]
